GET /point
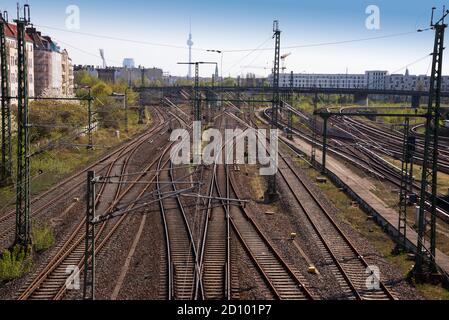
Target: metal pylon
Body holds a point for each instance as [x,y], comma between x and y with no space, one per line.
[425,257]
[406,186]
[23,237]
[314,130]
[197,101]
[271,194]
[142,102]
[6,159]
[290,112]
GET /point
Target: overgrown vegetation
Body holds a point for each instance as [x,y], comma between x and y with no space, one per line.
[50,119]
[43,238]
[14,264]
[58,144]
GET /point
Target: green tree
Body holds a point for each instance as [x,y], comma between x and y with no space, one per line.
[229,82]
[83,79]
[101,90]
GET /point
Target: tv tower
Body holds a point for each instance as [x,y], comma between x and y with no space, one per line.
[190,44]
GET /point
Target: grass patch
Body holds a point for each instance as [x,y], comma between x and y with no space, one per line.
[433,292]
[14,264]
[43,237]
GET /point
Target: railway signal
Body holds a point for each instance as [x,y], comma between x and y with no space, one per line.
[197,99]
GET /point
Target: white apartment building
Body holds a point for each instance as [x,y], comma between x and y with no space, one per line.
[377,79]
[11,40]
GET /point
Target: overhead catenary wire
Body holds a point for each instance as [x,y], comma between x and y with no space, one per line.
[173,46]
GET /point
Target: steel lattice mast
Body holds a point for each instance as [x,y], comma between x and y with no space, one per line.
[23,139]
[428,207]
[408,149]
[6,164]
[271,194]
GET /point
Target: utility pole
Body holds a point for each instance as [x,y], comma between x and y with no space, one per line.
[238,92]
[197,98]
[290,112]
[126,110]
[142,107]
[90,144]
[425,257]
[325,118]
[23,237]
[409,148]
[314,129]
[89,248]
[271,194]
[6,165]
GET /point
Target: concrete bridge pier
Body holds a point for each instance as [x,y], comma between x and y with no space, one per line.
[361,99]
[416,99]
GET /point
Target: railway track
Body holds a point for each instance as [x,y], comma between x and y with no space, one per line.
[349,266]
[346,263]
[74,182]
[389,143]
[49,283]
[284,281]
[367,160]
[182,269]
[215,253]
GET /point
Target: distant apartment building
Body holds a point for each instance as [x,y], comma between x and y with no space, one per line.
[129,63]
[11,42]
[107,74]
[68,77]
[133,75]
[380,80]
[53,67]
[129,75]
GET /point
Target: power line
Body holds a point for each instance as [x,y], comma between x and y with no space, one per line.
[155,44]
[321,44]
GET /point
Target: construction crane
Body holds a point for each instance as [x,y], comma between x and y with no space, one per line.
[283,58]
[102,58]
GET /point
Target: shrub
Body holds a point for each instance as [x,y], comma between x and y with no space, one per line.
[43,237]
[14,264]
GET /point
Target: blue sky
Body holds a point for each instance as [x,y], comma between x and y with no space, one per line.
[242,24]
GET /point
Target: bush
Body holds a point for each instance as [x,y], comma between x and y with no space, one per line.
[43,238]
[14,264]
[52,117]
